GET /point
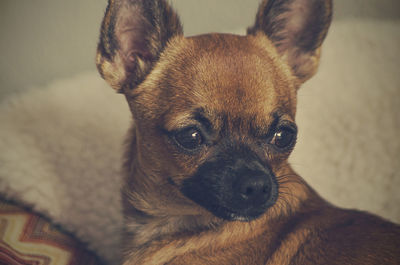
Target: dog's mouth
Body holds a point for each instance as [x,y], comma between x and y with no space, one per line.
[236,186]
[246,203]
[244,215]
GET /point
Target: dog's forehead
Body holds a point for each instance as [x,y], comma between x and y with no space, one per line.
[236,75]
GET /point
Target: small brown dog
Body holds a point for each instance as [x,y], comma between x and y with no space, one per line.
[206,174]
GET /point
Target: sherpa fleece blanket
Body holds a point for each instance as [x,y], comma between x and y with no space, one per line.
[61,145]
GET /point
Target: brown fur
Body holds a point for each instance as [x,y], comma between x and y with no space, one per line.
[239,84]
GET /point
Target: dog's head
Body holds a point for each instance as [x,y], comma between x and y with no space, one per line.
[214,114]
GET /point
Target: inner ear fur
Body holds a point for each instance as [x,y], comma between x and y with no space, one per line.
[297,28]
[132,36]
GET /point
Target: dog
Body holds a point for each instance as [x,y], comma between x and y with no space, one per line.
[206,174]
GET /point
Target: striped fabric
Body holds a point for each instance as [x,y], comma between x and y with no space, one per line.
[29,239]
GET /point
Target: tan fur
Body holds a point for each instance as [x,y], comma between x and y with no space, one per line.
[239,83]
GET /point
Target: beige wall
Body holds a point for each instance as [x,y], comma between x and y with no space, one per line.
[42,40]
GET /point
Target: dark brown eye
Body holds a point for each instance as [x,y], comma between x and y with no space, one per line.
[284,138]
[189,138]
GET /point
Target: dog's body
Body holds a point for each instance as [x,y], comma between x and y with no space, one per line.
[206,174]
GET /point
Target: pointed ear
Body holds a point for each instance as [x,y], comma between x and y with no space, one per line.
[132,36]
[297,28]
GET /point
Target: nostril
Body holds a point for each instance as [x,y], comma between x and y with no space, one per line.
[249,191]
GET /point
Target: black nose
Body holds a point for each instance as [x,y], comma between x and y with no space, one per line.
[255,189]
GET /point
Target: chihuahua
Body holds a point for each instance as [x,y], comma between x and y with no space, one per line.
[206,174]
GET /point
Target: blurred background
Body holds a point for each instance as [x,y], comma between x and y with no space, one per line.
[44,40]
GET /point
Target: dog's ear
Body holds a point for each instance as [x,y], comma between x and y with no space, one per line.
[132,36]
[297,28]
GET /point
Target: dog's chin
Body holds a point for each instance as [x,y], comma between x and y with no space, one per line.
[239,215]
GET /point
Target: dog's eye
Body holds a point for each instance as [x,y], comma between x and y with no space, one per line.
[284,137]
[189,138]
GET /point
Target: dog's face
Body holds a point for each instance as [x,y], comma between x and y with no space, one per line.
[214,114]
[219,112]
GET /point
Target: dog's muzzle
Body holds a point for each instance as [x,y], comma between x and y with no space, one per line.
[233,189]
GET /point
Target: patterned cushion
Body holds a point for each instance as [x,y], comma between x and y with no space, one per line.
[29,239]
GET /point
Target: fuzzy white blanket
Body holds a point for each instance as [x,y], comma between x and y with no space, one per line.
[61,145]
